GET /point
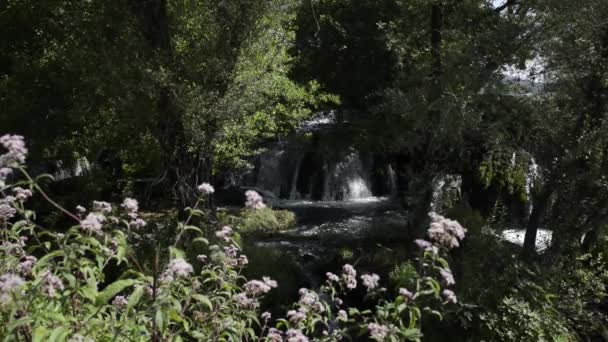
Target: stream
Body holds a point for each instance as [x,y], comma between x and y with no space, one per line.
[367,232]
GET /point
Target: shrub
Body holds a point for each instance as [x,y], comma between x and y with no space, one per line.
[265,221]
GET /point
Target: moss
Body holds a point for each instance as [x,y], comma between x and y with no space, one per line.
[265,221]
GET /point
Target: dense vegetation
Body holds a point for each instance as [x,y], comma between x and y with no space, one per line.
[158,99]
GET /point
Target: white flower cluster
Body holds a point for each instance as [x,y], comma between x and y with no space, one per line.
[176,268]
[254,200]
[349,276]
[224,233]
[26,265]
[206,189]
[17,152]
[93,223]
[51,284]
[378,332]
[259,287]
[445,232]
[370,281]
[9,283]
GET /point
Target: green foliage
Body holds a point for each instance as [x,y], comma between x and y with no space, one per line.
[404,275]
[515,320]
[265,221]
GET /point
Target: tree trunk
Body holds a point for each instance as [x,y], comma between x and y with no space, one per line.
[541,202]
[180,166]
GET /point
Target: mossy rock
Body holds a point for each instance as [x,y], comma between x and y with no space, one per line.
[265,221]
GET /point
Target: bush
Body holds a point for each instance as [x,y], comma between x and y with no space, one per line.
[265,221]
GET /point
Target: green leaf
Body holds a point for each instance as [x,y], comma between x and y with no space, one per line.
[135,297]
[160,321]
[201,239]
[59,334]
[203,300]
[45,259]
[113,289]
[40,333]
[176,253]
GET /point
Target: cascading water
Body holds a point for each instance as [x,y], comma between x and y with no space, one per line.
[347,179]
[270,170]
[446,192]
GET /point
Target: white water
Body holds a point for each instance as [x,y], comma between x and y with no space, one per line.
[516,236]
[347,180]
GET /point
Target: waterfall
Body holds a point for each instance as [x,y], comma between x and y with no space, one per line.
[293,193]
[347,179]
[531,178]
[269,171]
[392,180]
[446,192]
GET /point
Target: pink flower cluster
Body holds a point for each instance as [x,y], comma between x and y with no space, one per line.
[254,200]
[310,301]
[206,189]
[378,332]
[17,152]
[9,283]
[93,223]
[445,232]
[259,287]
[176,268]
[51,284]
[26,265]
[349,276]
[224,233]
[22,194]
[370,281]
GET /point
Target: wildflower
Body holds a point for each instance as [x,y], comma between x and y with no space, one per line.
[242,261]
[9,283]
[245,302]
[447,276]
[377,331]
[295,335]
[81,209]
[349,275]
[120,302]
[274,335]
[137,223]
[272,283]
[201,257]
[206,189]
[406,293]
[4,173]
[332,277]
[296,317]
[51,284]
[93,223]
[176,268]
[224,233]
[445,232]
[342,315]
[17,151]
[196,284]
[449,296]
[370,281]
[102,207]
[310,301]
[130,205]
[423,244]
[22,194]
[254,200]
[266,316]
[6,212]
[26,265]
[258,287]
